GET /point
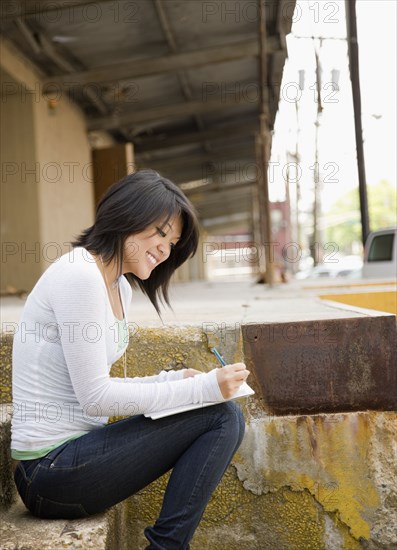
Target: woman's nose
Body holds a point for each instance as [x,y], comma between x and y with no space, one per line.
[162,248]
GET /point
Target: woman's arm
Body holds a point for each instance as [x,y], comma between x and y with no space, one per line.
[166,375]
[79,302]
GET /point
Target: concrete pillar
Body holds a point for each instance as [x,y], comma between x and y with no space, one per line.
[20,228]
[195,268]
[46,188]
[65,190]
[197,264]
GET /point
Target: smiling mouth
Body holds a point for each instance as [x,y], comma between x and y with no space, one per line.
[151,258]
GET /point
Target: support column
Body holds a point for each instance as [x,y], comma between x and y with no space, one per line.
[46,188]
[355,79]
[263,142]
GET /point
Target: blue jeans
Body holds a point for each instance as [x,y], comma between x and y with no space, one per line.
[99,469]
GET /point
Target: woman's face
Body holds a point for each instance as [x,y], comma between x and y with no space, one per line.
[146,250]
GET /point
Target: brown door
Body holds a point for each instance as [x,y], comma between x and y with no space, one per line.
[111,164]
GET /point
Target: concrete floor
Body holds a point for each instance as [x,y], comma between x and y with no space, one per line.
[226,302]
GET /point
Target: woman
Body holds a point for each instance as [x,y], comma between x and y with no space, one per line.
[69,462]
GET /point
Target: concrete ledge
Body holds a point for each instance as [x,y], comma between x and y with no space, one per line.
[20,530]
[334,365]
[303,482]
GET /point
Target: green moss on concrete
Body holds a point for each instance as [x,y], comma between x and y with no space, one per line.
[7,486]
[151,350]
[236,519]
[5,368]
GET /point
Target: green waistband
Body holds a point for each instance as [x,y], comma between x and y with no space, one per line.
[38,453]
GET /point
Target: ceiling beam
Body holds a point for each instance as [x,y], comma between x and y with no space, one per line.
[120,120]
[181,173]
[28,35]
[223,209]
[200,160]
[12,10]
[224,224]
[40,43]
[137,68]
[182,77]
[162,141]
[64,64]
[236,198]
[199,192]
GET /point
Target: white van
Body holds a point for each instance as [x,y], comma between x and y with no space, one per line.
[380,254]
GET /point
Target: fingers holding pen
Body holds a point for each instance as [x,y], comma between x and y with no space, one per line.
[230,378]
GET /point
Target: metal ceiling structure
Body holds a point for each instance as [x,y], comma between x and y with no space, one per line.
[180,79]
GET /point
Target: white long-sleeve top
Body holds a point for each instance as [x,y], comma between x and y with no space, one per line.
[63,350]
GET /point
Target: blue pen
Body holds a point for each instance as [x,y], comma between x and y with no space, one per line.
[218,356]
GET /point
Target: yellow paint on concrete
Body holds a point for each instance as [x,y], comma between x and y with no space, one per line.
[303,482]
[325,455]
[236,519]
[380,301]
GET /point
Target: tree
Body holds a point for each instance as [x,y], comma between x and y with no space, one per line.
[343,219]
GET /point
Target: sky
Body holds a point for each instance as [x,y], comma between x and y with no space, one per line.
[376,20]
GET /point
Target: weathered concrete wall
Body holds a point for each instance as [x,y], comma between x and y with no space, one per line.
[298,483]
[303,482]
[342,460]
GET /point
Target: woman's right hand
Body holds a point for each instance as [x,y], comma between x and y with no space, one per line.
[230,378]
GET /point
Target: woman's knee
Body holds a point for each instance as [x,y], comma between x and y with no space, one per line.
[232,416]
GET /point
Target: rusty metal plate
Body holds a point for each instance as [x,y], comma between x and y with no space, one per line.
[323,366]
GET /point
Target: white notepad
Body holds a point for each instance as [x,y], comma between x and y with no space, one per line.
[244,391]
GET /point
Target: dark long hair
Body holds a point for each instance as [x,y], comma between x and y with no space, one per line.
[128,207]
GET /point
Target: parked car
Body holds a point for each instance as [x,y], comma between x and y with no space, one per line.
[380,254]
[341,266]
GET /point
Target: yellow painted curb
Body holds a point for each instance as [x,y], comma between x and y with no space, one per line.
[380,301]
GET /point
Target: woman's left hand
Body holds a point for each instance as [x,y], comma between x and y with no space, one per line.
[188,373]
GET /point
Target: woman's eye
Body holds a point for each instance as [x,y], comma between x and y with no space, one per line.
[161,232]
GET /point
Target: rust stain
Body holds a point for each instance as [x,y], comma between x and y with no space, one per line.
[335,365]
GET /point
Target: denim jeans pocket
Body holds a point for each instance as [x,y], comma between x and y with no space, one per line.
[52,457]
[50,509]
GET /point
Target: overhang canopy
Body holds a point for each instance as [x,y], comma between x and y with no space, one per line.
[178,78]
